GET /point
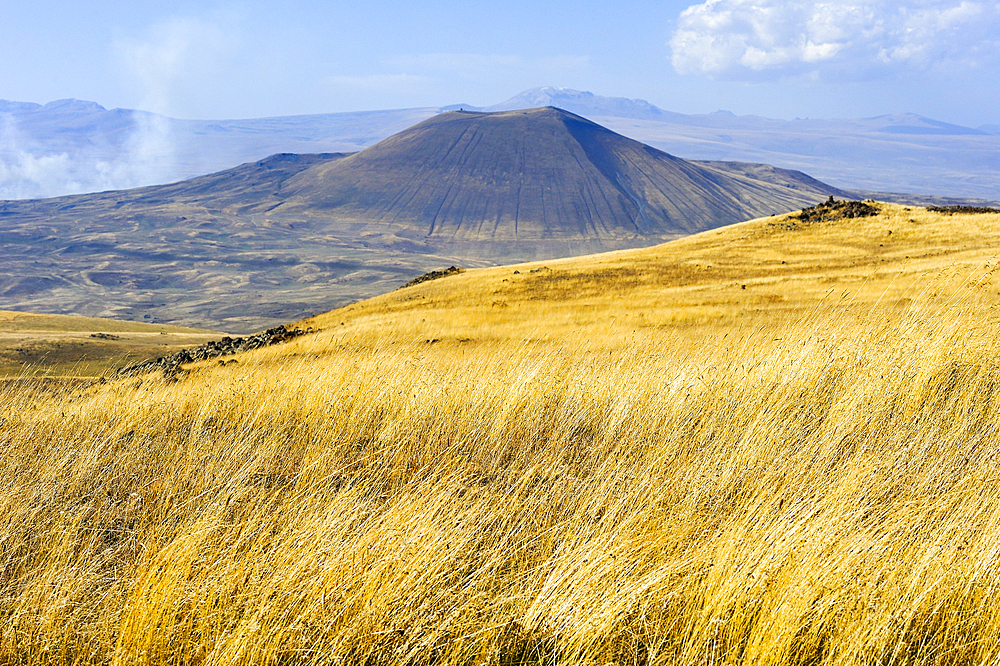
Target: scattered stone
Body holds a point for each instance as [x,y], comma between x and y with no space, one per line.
[951,210]
[171,364]
[105,336]
[433,275]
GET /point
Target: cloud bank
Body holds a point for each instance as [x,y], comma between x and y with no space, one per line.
[834,39]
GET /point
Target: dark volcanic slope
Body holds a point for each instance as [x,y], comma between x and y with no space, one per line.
[281,238]
[541,174]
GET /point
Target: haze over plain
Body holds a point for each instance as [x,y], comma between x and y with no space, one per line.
[73,146]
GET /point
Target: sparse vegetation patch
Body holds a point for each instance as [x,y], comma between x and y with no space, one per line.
[951,210]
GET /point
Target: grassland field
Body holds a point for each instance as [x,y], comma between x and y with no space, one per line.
[52,346]
[772,443]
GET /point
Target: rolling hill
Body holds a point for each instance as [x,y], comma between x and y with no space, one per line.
[273,240]
[768,443]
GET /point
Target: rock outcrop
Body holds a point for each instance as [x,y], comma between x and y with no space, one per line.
[171,365]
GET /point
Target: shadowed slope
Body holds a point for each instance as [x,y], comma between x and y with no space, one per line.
[537,174]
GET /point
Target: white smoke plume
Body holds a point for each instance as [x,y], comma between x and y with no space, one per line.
[167,66]
[27,173]
[50,161]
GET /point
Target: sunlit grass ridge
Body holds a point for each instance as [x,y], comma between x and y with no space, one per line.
[822,493]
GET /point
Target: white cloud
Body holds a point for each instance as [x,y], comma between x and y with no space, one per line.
[761,39]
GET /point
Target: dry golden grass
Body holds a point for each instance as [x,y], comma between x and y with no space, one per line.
[592,474]
[766,272]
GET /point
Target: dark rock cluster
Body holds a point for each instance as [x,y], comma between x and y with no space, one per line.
[831,210]
[434,275]
[951,210]
[171,364]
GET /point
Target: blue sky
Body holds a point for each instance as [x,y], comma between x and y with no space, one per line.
[806,58]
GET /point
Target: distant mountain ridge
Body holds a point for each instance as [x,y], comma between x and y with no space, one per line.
[596,106]
[584,103]
[71,146]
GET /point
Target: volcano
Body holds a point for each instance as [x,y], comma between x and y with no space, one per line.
[537,175]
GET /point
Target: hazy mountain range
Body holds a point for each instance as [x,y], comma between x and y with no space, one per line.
[281,238]
[71,146]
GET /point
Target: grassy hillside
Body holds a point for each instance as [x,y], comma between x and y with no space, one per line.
[626,458]
[763,274]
